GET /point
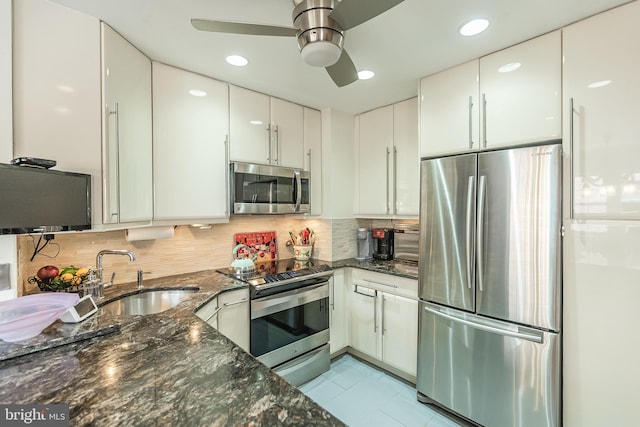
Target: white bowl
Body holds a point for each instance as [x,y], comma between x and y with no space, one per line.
[25,317]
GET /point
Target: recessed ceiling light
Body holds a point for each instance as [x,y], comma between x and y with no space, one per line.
[507,68]
[255,122]
[197,92]
[601,83]
[474,27]
[365,74]
[237,60]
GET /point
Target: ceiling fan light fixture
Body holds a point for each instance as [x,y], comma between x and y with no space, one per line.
[237,60]
[321,53]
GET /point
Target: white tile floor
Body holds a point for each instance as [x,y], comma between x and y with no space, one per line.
[361,395]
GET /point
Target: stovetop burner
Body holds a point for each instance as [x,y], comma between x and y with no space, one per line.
[278,273]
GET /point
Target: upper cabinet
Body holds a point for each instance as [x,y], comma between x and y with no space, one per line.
[601,89]
[6,114]
[509,97]
[190,159]
[265,130]
[127,145]
[521,93]
[313,156]
[56,87]
[389,165]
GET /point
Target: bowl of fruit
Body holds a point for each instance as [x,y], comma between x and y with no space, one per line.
[66,279]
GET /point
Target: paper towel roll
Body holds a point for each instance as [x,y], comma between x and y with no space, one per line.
[149,233]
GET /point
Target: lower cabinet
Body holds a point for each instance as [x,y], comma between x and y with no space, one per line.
[384,319]
[229,313]
[337,314]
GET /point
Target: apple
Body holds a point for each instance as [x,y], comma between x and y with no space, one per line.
[47,272]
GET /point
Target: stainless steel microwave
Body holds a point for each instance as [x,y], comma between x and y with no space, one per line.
[262,189]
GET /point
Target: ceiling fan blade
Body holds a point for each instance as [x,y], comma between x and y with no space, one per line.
[343,72]
[242,28]
[352,13]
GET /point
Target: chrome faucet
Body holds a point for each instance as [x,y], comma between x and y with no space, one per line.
[103,252]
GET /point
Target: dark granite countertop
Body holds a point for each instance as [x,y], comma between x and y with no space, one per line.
[163,369]
[169,368]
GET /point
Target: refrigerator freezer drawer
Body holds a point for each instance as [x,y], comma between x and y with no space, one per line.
[492,372]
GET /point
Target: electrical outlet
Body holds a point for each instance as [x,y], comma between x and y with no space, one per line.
[5,277]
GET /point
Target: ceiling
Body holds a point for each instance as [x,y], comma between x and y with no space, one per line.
[410,41]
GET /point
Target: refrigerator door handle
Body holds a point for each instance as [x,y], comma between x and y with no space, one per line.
[482,185]
[487,328]
[469,231]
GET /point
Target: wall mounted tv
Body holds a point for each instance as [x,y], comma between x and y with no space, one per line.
[43,200]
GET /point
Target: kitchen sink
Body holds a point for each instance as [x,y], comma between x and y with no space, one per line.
[148,302]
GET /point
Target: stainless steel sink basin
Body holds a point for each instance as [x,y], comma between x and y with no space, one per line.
[148,302]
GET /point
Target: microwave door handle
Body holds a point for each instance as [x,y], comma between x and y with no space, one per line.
[297,189]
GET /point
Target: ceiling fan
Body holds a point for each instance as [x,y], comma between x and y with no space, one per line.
[319,26]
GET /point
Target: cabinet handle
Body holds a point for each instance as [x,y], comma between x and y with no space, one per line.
[113,217]
[470,122]
[269,149]
[484,120]
[375,313]
[382,319]
[226,175]
[380,283]
[387,186]
[571,179]
[333,295]
[395,180]
[229,304]
[277,134]
[215,312]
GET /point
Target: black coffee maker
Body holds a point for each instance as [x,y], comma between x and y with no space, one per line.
[382,243]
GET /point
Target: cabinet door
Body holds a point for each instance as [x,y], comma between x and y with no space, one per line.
[249,126]
[127,146]
[601,81]
[364,321]
[399,330]
[233,317]
[287,134]
[190,131]
[406,161]
[338,320]
[521,92]
[56,89]
[313,156]
[375,147]
[209,313]
[6,105]
[449,111]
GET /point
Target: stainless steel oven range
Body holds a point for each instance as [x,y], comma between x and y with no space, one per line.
[290,319]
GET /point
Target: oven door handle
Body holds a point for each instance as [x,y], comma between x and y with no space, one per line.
[274,303]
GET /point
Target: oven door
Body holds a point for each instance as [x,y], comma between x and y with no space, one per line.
[261,189]
[289,324]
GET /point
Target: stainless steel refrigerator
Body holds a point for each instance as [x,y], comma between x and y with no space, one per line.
[490,285]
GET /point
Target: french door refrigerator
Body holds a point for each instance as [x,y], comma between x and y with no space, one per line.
[490,285]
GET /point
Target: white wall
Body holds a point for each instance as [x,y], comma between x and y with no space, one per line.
[338,168]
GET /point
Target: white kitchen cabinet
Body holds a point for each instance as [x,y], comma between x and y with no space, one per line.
[601,89]
[389,165]
[190,162]
[521,93]
[6,105]
[449,110]
[406,164]
[384,319]
[509,97]
[265,130]
[337,315]
[127,146]
[313,156]
[287,130]
[229,313]
[56,89]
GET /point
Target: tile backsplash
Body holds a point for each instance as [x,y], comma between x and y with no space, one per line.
[191,249]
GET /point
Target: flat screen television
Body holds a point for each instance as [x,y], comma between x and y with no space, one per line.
[43,200]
